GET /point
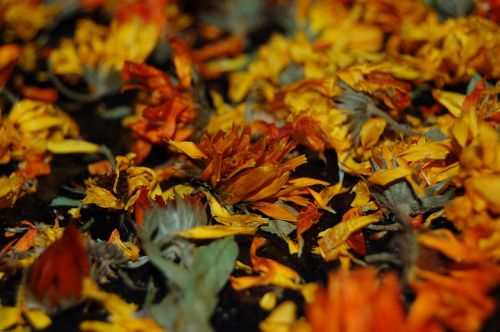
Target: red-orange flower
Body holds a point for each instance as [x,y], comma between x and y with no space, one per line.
[56,277]
[357,301]
[170,111]
[242,170]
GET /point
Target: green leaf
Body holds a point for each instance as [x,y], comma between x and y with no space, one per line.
[114,113]
[213,264]
[193,292]
[279,227]
[174,272]
[65,201]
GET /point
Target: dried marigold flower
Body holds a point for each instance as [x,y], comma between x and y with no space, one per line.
[357,301]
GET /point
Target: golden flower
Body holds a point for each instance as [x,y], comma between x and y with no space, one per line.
[121,189]
[104,49]
[98,52]
[331,120]
[453,50]
[25,18]
[35,128]
[422,162]
[11,189]
[391,14]
[30,132]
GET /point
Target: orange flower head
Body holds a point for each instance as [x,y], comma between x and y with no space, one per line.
[242,170]
[357,301]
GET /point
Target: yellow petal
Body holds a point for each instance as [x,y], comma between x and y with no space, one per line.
[488,187]
[249,220]
[452,101]
[112,302]
[362,194]
[275,211]
[268,189]
[371,132]
[38,319]
[98,326]
[309,291]
[129,250]
[216,207]
[268,301]
[281,319]
[333,237]
[306,182]
[10,317]
[72,146]
[215,232]
[180,189]
[102,197]
[247,182]
[41,123]
[385,176]
[189,148]
[432,150]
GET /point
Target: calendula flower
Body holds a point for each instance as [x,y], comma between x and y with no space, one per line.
[359,108]
[11,188]
[392,14]
[254,172]
[121,189]
[421,161]
[169,111]
[104,48]
[25,18]
[29,134]
[357,301]
[98,52]
[394,93]
[39,123]
[458,300]
[34,128]
[447,60]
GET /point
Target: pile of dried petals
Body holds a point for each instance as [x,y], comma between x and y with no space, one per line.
[293,165]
